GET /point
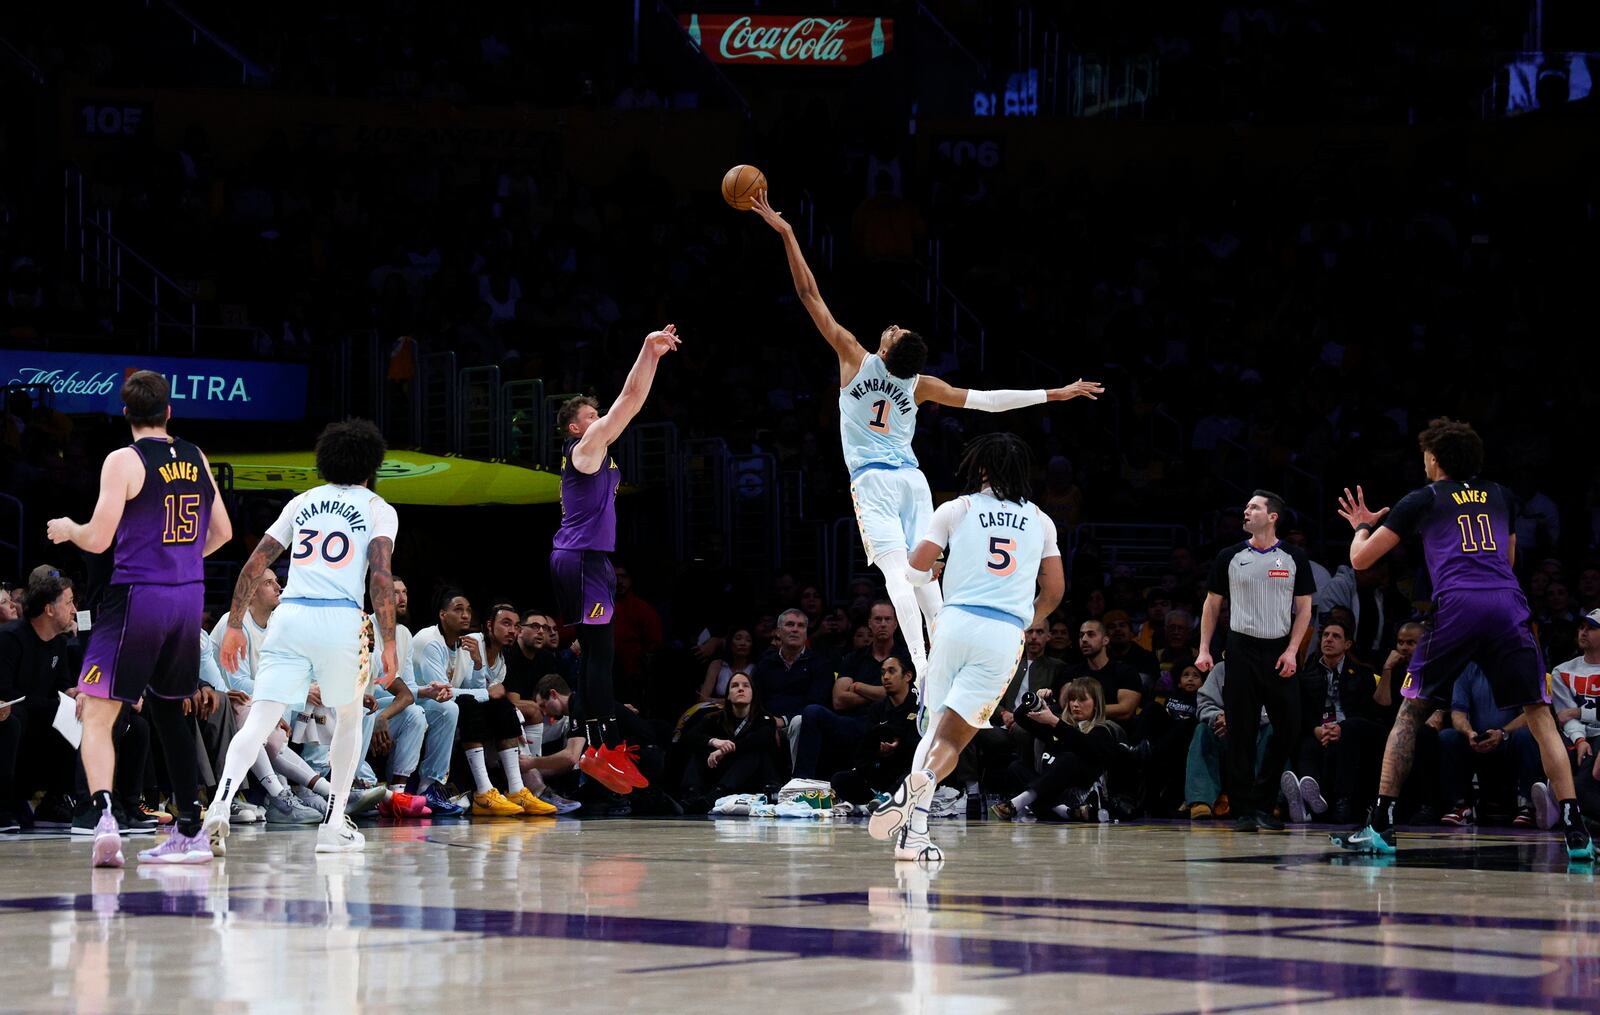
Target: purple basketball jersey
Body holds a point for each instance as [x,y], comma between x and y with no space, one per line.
[1466,530]
[161,539]
[588,506]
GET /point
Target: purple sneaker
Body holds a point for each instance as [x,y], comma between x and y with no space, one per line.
[179,848]
[107,842]
[440,804]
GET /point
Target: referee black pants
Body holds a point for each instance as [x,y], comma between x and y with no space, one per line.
[1251,680]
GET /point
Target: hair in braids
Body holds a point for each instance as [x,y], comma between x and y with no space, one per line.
[1003,462]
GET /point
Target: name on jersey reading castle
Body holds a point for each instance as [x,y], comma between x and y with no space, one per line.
[173,472]
[897,394]
[1009,519]
[349,512]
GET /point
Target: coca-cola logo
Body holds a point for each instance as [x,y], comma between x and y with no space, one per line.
[817,40]
[97,383]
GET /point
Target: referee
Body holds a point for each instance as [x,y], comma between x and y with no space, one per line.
[1268,585]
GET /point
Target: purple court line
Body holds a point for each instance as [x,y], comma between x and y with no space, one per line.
[1333,979]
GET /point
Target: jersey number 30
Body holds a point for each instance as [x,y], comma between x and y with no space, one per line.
[1002,555]
[334,547]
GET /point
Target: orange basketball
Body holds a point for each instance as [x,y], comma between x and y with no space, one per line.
[741,184]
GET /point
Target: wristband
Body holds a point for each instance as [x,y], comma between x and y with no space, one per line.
[1366,527]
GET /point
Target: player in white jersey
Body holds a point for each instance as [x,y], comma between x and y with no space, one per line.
[341,540]
[1001,549]
[878,399]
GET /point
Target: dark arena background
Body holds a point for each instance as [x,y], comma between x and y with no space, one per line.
[1283,235]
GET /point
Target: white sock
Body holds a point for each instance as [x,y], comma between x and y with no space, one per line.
[320,786]
[262,770]
[244,749]
[906,610]
[513,769]
[480,771]
[535,737]
[294,768]
[1023,799]
[344,754]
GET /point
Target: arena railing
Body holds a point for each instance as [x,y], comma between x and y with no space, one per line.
[481,427]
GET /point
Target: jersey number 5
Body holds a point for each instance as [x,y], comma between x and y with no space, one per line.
[1485,541]
[335,547]
[183,518]
[1002,555]
[880,416]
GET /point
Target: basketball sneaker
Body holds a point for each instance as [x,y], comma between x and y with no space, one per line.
[107,842]
[364,799]
[529,803]
[1368,840]
[559,802]
[179,848]
[895,813]
[215,828]
[1580,848]
[340,837]
[1545,808]
[493,804]
[398,805]
[440,804]
[316,801]
[602,768]
[625,757]
[1289,783]
[1311,796]
[288,809]
[916,847]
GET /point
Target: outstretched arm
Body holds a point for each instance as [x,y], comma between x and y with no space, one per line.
[844,344]
[121,470]
[590,453]
[932,389]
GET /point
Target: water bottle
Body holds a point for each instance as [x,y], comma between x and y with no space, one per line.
[877,38]
[694,30]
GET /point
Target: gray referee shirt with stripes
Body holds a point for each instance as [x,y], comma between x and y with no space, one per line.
[1261,586]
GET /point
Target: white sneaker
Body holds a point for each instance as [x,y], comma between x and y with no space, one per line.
[215,829]
[916,847]
[340,837]
[1546,811]
[1311,794]
[244,813]
[1290,784]
[895,812]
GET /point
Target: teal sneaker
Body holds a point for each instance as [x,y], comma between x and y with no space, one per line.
[1367,840]
[1580,848]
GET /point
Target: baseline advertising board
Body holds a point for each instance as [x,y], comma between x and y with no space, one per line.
[225,389]
[788,41]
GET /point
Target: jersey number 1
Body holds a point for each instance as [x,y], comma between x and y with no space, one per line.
[1002,555]
[880,416]
[1485,542]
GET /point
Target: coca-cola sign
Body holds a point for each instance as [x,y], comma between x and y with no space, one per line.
[785,40]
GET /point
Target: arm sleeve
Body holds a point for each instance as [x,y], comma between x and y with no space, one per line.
[210,672]
[1218,582]
[1004,399]
[1409,513]
[1052,546]
[282,530]
[943,523]
[1305,583]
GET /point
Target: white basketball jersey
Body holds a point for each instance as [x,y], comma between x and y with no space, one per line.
[995,547]
[877,418]
[325,532]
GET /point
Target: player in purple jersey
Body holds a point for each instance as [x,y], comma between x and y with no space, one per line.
[580,565]
[1480,615]
[159,507]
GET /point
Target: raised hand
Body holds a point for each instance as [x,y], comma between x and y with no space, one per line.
[1079,388]
[760,206]
[659,343]
[1354,510]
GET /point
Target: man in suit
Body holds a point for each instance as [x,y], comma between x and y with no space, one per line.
[994,749]
[1337,758]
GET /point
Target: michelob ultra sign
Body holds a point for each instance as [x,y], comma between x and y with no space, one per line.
[786,40]
[201,388]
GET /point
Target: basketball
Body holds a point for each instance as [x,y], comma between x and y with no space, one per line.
[741,184]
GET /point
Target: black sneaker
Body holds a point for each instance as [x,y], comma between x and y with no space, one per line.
[87,816]
[9,822]
[1268,822]
[56,810]
[1245,823]
[130,815]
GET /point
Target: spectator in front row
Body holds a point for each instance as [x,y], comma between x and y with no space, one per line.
[1121,648]
[33,654]
[1169,728]
[829,736]
[1121,688]
[488,714]
[1338,756]
[1492,742]
[732,749]
[884,752]
[789,677]
[1576,687]
[741,659]
[1078,750]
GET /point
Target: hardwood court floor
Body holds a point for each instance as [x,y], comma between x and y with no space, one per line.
[740,915]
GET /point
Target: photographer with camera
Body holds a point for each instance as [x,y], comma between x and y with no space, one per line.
[1078,749]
